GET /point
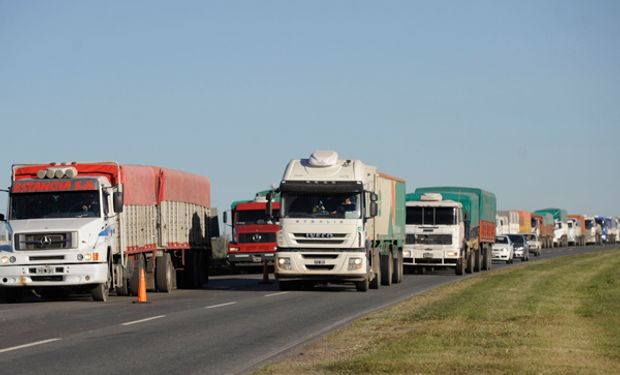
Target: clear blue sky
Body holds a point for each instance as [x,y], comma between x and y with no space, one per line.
[518,97]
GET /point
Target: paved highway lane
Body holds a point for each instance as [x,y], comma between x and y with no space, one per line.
[230,327]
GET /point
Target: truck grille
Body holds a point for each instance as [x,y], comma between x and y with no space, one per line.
[257,237]
[320,238]
[45,241]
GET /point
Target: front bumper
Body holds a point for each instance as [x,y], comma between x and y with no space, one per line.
[53,274]
[321,266]
[500,255]
[251,259]
[435,258]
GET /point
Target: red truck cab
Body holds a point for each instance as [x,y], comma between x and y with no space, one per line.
[253,234]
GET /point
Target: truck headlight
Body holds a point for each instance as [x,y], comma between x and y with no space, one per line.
[233,249]
[6,260]
[355,264]
[284,263]
[407,254]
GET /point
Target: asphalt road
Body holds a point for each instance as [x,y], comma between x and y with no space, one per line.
[230,327]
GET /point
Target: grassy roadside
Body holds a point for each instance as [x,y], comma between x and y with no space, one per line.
[560,316]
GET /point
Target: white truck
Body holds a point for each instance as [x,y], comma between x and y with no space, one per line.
[341,221]
[507,222]
[593,231]
[95,226]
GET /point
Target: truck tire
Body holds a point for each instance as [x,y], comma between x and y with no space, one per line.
[397,276]
[164,273]
[470,263]
[478,260]
[137,264]
[460,267]
[13,295]
[386,269]
[485,259]
[376,260]
[100,292]
[362,286]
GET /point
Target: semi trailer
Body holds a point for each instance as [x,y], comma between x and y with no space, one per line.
[560,219]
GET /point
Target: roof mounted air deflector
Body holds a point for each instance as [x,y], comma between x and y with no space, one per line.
[323,158]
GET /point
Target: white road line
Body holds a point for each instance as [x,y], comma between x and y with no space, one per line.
[142,320]
[275,294]
[29,345]
[220,305]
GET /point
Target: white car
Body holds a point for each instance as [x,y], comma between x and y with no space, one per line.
[520,247]
[534,244]
[503,249]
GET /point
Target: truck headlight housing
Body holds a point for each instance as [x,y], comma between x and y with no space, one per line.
[284,263]
[233,249]
[407,253]
[355,264]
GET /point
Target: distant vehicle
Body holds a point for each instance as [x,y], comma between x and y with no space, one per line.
[593,231]
[534,244]
[576,230]
[543,227]
[560,234]
[503,249]
[521,249]
[253,233]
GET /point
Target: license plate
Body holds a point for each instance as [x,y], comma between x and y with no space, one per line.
[319,261]
[45,269]
[256,259]
[427,255]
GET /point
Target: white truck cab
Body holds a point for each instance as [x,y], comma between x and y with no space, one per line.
[63,230]
[560,234]
[435,232]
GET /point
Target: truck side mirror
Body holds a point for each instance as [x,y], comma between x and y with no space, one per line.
[225,217]
[269,208]
[117,201]
[2,218]
[374,209]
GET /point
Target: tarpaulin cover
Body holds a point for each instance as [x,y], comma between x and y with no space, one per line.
[558,213]
[142,185]
[486,199]
[180,186]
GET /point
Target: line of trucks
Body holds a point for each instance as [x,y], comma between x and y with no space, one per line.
[96,226]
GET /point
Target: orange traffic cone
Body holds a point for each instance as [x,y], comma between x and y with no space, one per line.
[141,288]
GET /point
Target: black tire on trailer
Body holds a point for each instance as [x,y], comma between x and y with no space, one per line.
[386,269]
[485,258]
[164,270]
[477,260]
[470,263]
[397,276]
[362,286]
[137,262]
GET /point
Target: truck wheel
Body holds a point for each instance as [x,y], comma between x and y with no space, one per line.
[386,269]
[100,292]
[376,265]
[485,259]
[137,264]
[362,286]
[397,276]
[164,273]
[478,260]
[460,267]
[470,263]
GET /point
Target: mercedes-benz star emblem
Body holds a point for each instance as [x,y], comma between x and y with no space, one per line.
[257,237]
[46,241]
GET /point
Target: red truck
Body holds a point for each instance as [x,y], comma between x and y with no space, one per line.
[253,234]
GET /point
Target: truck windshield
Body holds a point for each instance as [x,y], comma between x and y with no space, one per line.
[321,205]
[70,204]
[429,239]
[251,217]
[589,224]
[431,216]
